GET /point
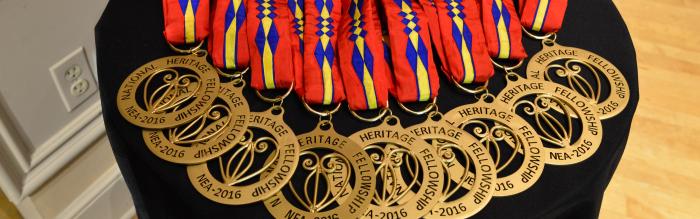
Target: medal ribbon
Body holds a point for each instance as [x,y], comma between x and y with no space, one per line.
[228,44]
[542,15]
[269,41]
[186,21]
[463,38]
[502,29]
[411,52]
[365,71]
[322,79]
[296,9]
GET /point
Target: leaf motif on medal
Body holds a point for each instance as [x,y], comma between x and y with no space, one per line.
[389,160]
[553,118]
[322,173]
[578,75]
[218,117]
[244,160]
[500,140]
[452,155]
[171,89]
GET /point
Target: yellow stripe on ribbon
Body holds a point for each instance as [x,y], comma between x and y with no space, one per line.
[466,55]
[231,39]
[326,68]
[189,23]
[367,80]
[267,57]
[503,39]
[421,71]
[541,13]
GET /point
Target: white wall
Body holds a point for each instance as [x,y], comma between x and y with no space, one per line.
[45,150]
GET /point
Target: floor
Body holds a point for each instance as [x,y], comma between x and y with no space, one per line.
[7,210]
[659,175]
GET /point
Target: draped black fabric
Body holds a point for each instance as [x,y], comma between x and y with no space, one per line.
[129,34]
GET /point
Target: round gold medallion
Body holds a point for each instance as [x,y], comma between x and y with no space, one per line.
[324,155]
[210,135]
[393,149]
[161,94]
[237,180]
[584,72]
[457,150]
[513,144]
[556,111]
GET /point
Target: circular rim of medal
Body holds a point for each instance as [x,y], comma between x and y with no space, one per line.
[170,118]
[288,138]
[468,140]
[549,88]
[239,111]
[453,117]
[349,150]
[417,146]
[582,55]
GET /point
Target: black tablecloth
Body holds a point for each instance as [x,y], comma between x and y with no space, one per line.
[129,34]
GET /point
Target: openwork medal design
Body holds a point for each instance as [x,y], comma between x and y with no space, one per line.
[469,169]
[393,151]
[169,91]
[513,144]
[555,111]
[325,155]
[221,127]
[584,72]
[234,177]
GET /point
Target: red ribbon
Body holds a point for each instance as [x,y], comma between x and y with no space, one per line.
[228,44]
[463,39]
[186,21]
[270,47]
[415,75]
[542,15]
[364,68]
[502,29]
[322,80]
[296,11]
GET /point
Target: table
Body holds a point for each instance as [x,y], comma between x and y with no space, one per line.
[129,34]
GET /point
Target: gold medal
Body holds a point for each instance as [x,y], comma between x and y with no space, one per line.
[393,149]
[506,136]
[168,96]
[227,124]
[556,111]
[584,72]
[457,150]
[237,183]
[326,154]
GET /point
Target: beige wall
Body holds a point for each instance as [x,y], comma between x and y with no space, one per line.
[53,163]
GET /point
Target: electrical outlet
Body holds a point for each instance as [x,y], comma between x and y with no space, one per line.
[74,79]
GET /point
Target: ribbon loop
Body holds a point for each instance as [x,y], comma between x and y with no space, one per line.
[364,69]
[296,9]
[463,38]
[269,41]
[228,44]
[502,29]
[415,74]
[322,80]
[186,21]
[544,16]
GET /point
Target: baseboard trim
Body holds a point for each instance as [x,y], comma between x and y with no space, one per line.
[64,135]
[130,214]
[81,140]
[90,195]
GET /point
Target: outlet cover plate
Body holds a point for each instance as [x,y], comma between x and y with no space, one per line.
[63,84]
